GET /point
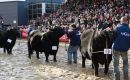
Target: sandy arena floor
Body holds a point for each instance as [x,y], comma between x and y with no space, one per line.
[18,67]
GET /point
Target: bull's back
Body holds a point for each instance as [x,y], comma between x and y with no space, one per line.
[32,33]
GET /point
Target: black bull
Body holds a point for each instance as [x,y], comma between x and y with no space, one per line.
[92,44]
[8,39]
[45,42]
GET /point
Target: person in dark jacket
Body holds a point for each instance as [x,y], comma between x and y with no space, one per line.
[74,36]
[120,47]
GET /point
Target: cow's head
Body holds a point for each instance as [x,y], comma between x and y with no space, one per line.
[110,35]
[58,31]
[106,36]
[15,32]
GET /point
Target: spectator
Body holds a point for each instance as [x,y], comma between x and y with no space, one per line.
[29,29]
[120,47]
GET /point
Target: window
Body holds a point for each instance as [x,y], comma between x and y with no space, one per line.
[39,6]
[39,15]
[30,6]
[30,16]
[48,6]
[57,6]
[34,6]
[35,16]
[39,11]
[34,11]
[52,7]
[48,10]
[29,12]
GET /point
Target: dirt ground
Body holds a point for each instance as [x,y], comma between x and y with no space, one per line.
[18,67]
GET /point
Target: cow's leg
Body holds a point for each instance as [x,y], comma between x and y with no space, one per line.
[47,55]
[83,61]
[92,66]
[37,53]
[8,51]
[30,52]
[96,66]
[106,68]
[4,49]
[55,58]
[107,63]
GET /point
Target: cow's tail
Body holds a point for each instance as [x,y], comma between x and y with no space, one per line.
[84,52]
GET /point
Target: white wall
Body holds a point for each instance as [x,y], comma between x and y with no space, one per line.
[43,8]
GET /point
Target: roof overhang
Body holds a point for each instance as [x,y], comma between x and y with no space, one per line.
[10,0]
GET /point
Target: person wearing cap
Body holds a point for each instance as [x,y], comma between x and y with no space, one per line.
[74,35]
[120,47]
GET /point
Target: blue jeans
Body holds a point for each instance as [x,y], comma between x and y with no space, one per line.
[116,56]
[72,51]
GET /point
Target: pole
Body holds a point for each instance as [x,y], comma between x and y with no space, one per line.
[128,12]
[51,11]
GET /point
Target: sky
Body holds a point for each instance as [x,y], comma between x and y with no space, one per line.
[10,0]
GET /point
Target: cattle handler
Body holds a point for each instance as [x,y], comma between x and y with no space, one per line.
[74,35]
[120,47]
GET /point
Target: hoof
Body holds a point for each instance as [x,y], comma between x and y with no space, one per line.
[75,62]
[47,61]
[96,74]
[92,66]
[55,60]
[105,73]
[83,66]
[29,57]
[9,53]
[38,57]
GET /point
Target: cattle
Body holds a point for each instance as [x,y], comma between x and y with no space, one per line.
[8,39]
[92,48]
[47,42]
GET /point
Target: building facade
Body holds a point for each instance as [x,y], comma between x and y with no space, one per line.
[36,8]
[13,12]
[18,12]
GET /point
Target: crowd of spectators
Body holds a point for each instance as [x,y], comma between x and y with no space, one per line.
[85,14]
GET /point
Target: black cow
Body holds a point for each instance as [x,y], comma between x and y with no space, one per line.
[8,39]
[92,47]
[45,42]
